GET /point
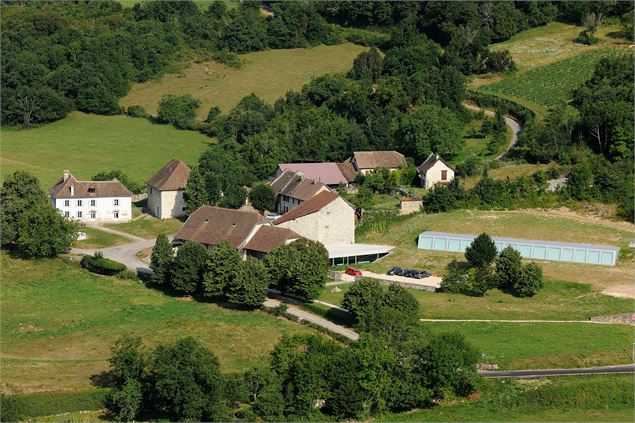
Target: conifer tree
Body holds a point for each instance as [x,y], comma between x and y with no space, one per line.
[161,260]
[195,194]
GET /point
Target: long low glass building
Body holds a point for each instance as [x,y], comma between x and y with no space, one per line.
[528,248]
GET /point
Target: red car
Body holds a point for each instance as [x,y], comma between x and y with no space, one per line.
[353,272]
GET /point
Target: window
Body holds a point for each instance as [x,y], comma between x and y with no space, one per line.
[93,214]
[92,203]
[91,189]
[79,203]
[115,215]
[67,214]
[444,175]
[115,202]
[79,214]
[67,203]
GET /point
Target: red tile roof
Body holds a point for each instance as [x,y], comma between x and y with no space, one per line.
[211,225]
[269,237]
[308,207]
[377,159]
[171,177]
[348,170]
[88,189]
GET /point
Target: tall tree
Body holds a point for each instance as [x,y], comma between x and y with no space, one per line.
[187,270]
[161,260]
[20,192]
[249,288]
[195,194]
[222,269]
[481,252]
[262,197]
[43,232]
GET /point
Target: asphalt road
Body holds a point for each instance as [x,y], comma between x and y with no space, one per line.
[511,123]
[534,374]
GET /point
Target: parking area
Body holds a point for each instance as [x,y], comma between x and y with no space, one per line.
[431,283]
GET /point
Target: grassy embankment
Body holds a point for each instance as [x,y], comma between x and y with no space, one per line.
[269,74]
[589,398]
[59,322]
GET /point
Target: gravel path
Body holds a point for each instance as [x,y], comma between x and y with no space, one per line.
[519,321]
[511,123]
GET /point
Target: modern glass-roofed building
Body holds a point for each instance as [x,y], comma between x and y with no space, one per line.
[528,248]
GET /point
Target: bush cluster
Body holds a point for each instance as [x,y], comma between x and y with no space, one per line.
[101,265]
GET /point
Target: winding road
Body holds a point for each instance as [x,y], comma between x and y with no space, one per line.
[511,123]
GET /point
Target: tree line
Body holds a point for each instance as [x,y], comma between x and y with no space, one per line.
[221,274]
[396,365]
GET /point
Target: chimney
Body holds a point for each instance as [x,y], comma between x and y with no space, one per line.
[72,190]
[66,174]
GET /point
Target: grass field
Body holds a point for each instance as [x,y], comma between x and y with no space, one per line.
[579,399]
[87,144]
[269,74]
[504,172]
[59,322]
[557,301]
[552,225]
[148,227]
[99,239]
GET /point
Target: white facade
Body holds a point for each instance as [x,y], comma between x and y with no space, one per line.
[439,172]
[334,224]
[287,203]
[166,204]
[95,210]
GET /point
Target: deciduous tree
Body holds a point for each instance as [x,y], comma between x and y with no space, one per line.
[44,232]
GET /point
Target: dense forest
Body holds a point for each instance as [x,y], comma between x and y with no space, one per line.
[404,93]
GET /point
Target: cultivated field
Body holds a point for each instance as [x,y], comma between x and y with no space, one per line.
[550,225]
[87,144]
[269,74]
[59,322]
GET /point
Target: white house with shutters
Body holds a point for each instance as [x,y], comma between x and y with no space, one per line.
[434,170]
[92,201]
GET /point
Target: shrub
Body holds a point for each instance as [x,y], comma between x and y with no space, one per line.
[127,274]
[508,267]
[103,266]
[136,111]
[530,281]
[228,58]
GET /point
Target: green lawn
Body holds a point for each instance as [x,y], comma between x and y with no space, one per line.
[59,322]
[512,171]
[552,225]
[269,74]
[477,145]
[87,144]
[557,301]
[148,227]
[545,345]
[579,399]
[99,239]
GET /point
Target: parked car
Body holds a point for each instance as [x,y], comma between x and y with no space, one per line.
[393,271]
[353,272]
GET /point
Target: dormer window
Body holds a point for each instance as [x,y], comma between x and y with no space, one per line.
[91,189]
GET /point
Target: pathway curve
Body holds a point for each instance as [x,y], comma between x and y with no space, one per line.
[511,123]
[309,317]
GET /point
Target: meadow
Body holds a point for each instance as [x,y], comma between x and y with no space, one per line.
[59,322]
[579,399]
[269,74]
[148,226]
[548,225]
[87,144]
[99,239]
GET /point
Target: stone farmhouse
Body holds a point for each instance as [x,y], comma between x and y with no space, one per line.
[369,161]
[434,170]
[293,188]
[165,190]
[92,201]
[326,218]
[248,231]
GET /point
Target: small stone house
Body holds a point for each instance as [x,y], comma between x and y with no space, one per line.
[92,201]
[369,161]
[293,188]
[410,205]
[326,218]
[434,170]
[166,188]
